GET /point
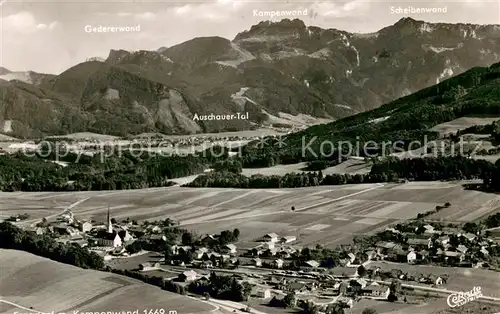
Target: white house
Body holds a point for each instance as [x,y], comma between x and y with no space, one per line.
[199,252]
[257,262]
[312,264]
[189,275]
[73,231]
[271,237]
[462,248]
[148,266]
[272,251]
[288,239]
[376,291]
[230,249]
[268,245]
[470,236]
[84,226]
[444,239]
[361,282]
[278,263]
[438,281]
[263,293]
[411,257]
[429,229]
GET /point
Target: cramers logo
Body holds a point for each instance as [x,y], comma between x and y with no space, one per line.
[273,14]
[461,298]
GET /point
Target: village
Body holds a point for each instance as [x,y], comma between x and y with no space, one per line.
[276,267]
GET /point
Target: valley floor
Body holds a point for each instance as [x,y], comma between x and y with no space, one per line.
[326,215]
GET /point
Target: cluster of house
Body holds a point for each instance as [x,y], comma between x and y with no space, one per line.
[322,292]
[272,246]
[204,257]
[66,229]
[345,290]
[432,245]
[106,237]
[430,278]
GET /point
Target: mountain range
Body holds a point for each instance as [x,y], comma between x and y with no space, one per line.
[282,73]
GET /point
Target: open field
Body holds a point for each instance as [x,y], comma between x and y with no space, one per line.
[462,123]
[86,135]
[45,285]
[439,306]
[379,306]
[249,133]
[327,215]
[351,166]
[133,262]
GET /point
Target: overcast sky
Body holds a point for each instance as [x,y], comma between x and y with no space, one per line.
[50,36]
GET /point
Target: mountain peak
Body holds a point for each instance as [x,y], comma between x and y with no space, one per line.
[116,55]
[285,26]
[406,20]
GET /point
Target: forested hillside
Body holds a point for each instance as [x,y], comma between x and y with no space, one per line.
[473,93]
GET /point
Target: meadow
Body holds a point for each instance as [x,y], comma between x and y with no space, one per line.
[30,283]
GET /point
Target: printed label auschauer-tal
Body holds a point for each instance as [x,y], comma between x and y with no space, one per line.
[219,117]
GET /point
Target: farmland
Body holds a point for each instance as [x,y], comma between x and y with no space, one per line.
[30,281]
[327,215]
[351,166]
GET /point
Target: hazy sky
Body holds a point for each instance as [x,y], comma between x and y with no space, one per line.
[50,36]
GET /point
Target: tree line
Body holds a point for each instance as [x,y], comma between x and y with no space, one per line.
[19,172]
[389,169]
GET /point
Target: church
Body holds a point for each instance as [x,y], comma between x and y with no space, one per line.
[109,237]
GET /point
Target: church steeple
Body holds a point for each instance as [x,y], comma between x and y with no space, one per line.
[110,225]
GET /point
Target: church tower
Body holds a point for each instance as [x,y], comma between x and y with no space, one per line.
[110,225]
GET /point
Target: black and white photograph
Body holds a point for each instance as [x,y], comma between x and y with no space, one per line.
[249,156]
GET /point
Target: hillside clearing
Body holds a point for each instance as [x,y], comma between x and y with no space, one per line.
[461,124]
